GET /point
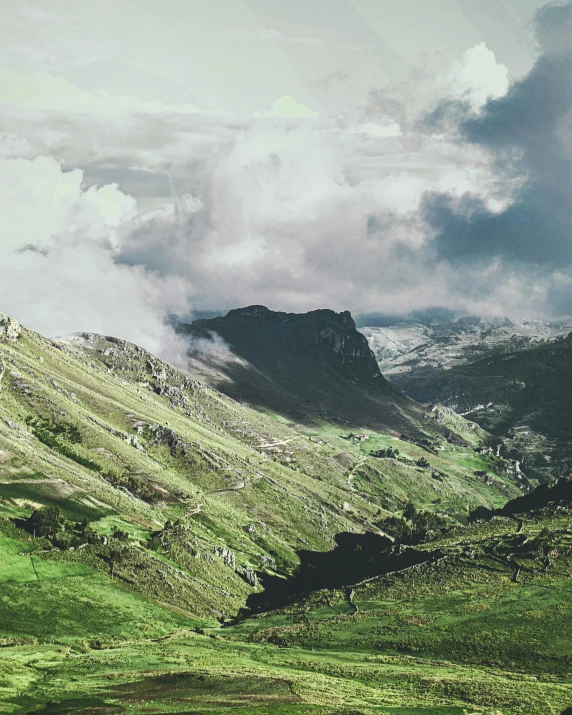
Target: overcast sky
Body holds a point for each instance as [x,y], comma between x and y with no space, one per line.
[372,155]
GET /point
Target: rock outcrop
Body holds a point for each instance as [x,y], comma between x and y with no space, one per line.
[10,329]
[307,366]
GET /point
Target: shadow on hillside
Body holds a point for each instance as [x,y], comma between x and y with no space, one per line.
[355,558]
[308,395]
[543,496]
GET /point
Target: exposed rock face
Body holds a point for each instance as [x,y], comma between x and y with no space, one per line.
[349,348]
[10,329]
[226,555]
[306,366]
[324,335]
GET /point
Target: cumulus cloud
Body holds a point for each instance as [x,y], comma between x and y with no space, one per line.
[58,272]
[478,76]
[455,195]
[528,132]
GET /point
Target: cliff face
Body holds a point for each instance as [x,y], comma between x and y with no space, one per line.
[349,350]
[9,328]
[323,337]
[299,365]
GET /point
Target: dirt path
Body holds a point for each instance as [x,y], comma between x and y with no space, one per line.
[357,465]
[276,443]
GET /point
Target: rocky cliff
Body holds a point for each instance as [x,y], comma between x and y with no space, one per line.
[309,366]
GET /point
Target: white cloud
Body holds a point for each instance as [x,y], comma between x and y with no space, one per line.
[58,272]
[389,128]
[478,76]
[46,92]
[294,214]
[286,107]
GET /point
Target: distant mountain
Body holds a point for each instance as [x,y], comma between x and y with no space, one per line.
[310,366]
[428,341]
[522,393]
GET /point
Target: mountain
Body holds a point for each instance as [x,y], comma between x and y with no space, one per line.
[523,396]
[510,377]
[142,513]
[429,342]
[105,431]
[310,367]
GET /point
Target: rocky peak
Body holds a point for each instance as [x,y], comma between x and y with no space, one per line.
[322,337]
[10,329]
[252,311]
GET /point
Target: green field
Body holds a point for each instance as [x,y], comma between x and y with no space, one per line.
[173,506]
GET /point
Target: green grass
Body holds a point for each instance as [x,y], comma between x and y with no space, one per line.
[461,635]
[76,506]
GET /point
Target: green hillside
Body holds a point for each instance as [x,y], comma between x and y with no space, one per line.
[140,510]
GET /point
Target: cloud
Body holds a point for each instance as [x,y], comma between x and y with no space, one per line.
[443,193]
[478,76]
[46,92]
[528,133]
[382,129]
[58,272]
[286,107]
[554,27]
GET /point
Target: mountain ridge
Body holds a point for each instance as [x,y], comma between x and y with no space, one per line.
[141,510]
[304,366]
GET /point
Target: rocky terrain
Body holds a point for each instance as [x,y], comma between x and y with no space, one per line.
[511,378]
[310,367]
[431,343]
[165,548]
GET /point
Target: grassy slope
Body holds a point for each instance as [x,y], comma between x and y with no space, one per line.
[462,629]
[70,631]
[232,477]
[457,636]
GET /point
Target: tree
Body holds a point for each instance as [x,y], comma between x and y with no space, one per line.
[480,512]
[410,511]
[398,528]
[543,545]
[46,521]
[425,522]
[116,556]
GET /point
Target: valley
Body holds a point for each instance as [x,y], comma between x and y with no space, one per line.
[168,548]
[511,378]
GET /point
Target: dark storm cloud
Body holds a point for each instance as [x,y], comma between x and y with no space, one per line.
[529,134]
[447,116]
[554,27]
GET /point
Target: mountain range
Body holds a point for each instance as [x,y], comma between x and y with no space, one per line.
[513,379]
[289,533]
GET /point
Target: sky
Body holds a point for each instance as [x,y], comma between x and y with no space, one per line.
[163,157]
